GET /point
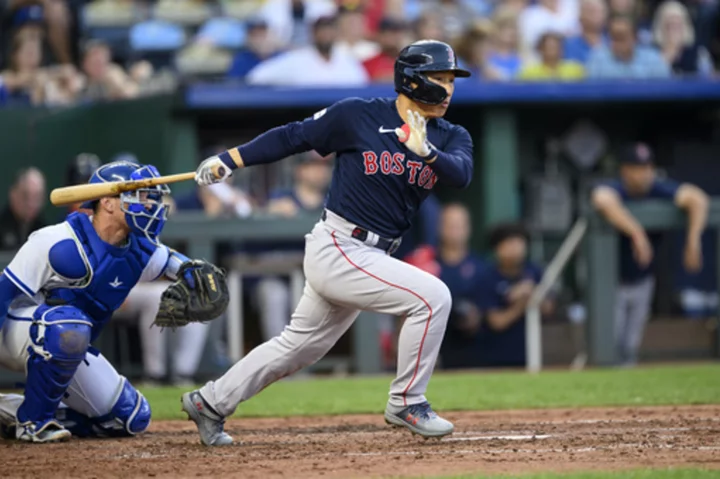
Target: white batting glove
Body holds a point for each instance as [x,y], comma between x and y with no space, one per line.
[415,135]
[212,170]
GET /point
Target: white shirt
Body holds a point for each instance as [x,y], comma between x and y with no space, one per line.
[361,50]
[536,20]
[306,67]
[278,14]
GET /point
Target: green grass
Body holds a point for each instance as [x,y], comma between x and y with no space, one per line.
[476,391]
[638,474]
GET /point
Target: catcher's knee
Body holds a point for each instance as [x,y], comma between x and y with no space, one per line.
[61,335]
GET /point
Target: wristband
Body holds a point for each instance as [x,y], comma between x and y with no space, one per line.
[227,160]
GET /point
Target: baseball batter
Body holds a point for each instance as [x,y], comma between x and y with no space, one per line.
[390,154]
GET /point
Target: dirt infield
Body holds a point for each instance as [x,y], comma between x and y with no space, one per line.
[362,446]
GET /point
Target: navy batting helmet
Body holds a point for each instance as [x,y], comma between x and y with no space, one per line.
[416,60]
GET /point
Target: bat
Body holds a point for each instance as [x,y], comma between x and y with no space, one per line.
[69,195]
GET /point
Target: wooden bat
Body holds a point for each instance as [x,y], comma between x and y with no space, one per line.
[89,192]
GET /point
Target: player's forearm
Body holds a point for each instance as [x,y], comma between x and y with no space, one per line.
[622,220]
[175,260]
[500,320]
[453,169]
[271,146]
[8,292]
[697,212]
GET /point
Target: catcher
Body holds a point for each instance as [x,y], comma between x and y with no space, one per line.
[62,288]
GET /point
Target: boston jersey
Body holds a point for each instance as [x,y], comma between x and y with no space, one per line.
[377,182]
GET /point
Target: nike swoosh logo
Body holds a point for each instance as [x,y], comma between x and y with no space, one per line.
[386,130]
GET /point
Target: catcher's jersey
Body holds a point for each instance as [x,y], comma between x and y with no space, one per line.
[69,262]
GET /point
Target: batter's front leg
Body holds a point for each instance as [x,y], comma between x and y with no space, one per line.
[315,327]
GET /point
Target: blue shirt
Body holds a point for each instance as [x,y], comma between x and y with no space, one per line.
[244,61]
[508,65]
[507,347]
[377,183]
[645,63]
[459,349]
[578,49]
[630,271]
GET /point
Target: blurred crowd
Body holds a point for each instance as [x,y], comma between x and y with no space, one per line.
[61,52]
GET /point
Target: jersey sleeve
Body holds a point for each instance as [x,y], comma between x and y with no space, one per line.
[454,165]
[324,132]
[30,268]
[664,189]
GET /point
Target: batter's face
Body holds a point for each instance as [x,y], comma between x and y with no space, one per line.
[447,81]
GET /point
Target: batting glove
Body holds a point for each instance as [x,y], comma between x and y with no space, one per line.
[212,170]
[416,138]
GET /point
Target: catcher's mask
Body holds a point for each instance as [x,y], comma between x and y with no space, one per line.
[145,211]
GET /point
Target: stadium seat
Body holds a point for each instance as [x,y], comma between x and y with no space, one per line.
[184,12]
[223,32]
[241,9]
[156,41]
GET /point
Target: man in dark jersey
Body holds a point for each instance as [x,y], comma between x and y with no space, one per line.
[390,153]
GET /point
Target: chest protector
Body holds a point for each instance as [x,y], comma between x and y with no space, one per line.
[112,272]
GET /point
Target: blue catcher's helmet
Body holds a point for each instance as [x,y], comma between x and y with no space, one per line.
[145,211]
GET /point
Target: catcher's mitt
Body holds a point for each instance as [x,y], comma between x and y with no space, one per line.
[200,294]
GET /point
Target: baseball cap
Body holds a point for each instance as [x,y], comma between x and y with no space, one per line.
[324,21]
[636,154]
[256,22]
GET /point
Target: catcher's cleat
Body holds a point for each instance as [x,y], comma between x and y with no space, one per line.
[210,424]
[49,431]
[419,419]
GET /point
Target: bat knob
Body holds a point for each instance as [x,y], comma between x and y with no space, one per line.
[220,172]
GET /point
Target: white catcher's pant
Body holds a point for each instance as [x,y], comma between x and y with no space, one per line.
[345,276]
[95,387]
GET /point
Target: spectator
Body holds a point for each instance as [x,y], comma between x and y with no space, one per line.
[560,16]
[593,19]
[624,58]
[504,57]
[21,216]
[392,37]
[258,48]
[675,36]
[473,51]
[638,182]
[505,289]
[289,20]
[55,14]
[428,27]
[322,64]
[312,178]
[454,16]
[460,270]
[353,33]
[551,65]
[62,87]
[105,80]
[25,77]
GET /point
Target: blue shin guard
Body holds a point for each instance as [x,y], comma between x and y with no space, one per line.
[130,415]
[60,336]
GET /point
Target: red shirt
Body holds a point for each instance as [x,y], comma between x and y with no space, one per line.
[380,68]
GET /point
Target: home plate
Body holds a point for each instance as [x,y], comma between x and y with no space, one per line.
[527,437]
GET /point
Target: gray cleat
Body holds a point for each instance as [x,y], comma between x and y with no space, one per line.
[49,431]
[419,419]
[209,423]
